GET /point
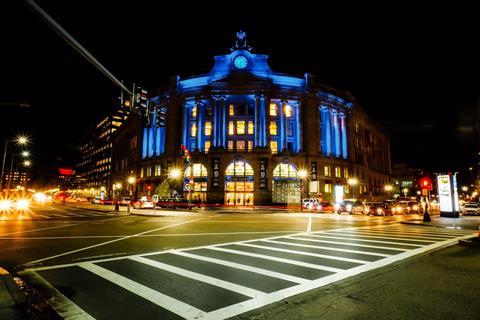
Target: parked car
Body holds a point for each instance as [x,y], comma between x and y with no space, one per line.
[310,203]
[472,208]
[106,201]
[351,206]
[174,203]
[325,206]
[144,203]
[125,201]
[96,200]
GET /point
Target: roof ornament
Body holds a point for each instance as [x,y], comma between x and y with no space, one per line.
[241,42]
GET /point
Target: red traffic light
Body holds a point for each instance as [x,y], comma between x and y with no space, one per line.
[425,183]
[149,187]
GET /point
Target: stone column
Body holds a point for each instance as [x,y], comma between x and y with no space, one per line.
[199,122]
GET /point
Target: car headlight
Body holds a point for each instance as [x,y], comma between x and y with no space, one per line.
[379,210]
[5,205]
[415,207]
[336,206]
[23,204]
[349,207]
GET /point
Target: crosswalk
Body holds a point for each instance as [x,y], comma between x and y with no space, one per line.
[54,213]
[224,280]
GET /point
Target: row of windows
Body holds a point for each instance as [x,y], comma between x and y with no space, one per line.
[247,109]
[103,161]
[327,172]
[150,171]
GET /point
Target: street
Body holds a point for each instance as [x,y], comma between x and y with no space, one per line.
[198,265]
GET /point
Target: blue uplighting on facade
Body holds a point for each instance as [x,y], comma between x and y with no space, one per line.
[144,143]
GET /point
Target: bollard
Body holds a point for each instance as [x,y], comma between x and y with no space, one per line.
[309,225]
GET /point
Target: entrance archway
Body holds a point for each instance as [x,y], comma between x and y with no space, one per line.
[200,177]
[239,184]
[285,187]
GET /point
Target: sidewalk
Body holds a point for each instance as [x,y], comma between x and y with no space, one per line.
[462,222]
[12,299]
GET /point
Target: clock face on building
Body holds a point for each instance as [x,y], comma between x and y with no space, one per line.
[240,62]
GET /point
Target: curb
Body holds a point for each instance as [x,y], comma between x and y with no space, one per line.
[12,298]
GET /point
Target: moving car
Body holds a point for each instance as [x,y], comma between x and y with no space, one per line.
[374,208]
[470,208]
[144,203]
[351,206]
[325,206]
[414,207]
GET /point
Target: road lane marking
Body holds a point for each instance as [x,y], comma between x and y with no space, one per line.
[144,235]
[235,265]
[438,231]
[242,307]
[41,229]
[249,292]
[173,305]
[65,308]
[347,244]
[393,236]
[289,261]
[359,239]
[108,242]
[384,236]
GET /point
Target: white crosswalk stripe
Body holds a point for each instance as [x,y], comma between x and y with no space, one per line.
[292,264]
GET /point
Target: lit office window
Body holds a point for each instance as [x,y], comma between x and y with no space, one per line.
[157,170]
[250,145]
[327,188]
[273,109]
[231,110]
[273,128]
[194,112]
[141,172]
[207,146]
[251,127]
[274,146]
[240,145]
[193,130]
[326,171]
[288,111]
[338,172]
[230,145]
[208,128]
[231,128]
[149,171]
[240,127]
[345,172]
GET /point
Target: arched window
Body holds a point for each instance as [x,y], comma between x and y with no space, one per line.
[199,170]
[239,169]
[239,184]
[285,170]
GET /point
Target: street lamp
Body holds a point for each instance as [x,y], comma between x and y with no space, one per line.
[25,154]
[352,182]
[27,163]
[405,191]
[116,186]
[131,180]
[388,189]
[174,173]
[301,174]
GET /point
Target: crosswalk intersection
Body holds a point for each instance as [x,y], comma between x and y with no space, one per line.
[41,213]
[224,280]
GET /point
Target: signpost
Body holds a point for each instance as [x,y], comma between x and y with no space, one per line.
[448,195]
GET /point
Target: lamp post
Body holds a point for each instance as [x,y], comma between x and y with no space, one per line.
[352,182]
[405,192]
[131,180]
[174,174]
[301,174]
[116,186]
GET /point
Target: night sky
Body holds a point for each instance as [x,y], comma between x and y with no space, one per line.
[415,70]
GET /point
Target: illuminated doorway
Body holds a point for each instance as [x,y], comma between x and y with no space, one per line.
[239,184]
[285,187]
[200,177]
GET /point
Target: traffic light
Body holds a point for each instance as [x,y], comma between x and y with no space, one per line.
[149,187]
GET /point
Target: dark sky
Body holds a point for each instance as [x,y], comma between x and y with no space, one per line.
[415,70]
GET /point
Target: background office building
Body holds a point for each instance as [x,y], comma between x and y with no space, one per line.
[250,131]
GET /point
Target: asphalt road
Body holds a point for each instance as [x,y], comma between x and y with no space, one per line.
[206,265]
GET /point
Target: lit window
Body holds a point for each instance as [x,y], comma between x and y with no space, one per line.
[141,172]
[230,145]
[207,146]
[157,170]
[231,110]
[273,128]
[273,109]
[241,145]
[240,127]
[250,145]
[193,130]
[338,172]
[327,188]
[288,111]
[326,171]
[194,112]
[345,172]
[149,171]
[208,128]
[274,146]
[251,127]
[231,128]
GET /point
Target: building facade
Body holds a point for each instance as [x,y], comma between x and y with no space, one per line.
[95,167]
[249,131]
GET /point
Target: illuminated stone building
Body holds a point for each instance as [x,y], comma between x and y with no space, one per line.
[250,130]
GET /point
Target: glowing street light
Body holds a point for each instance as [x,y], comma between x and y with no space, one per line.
[25,154]
[131,180]
[302,174]
[27,163]
[352,182]
[175,173]
[405,191]
[388,188]
[22,140]
[464,188]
